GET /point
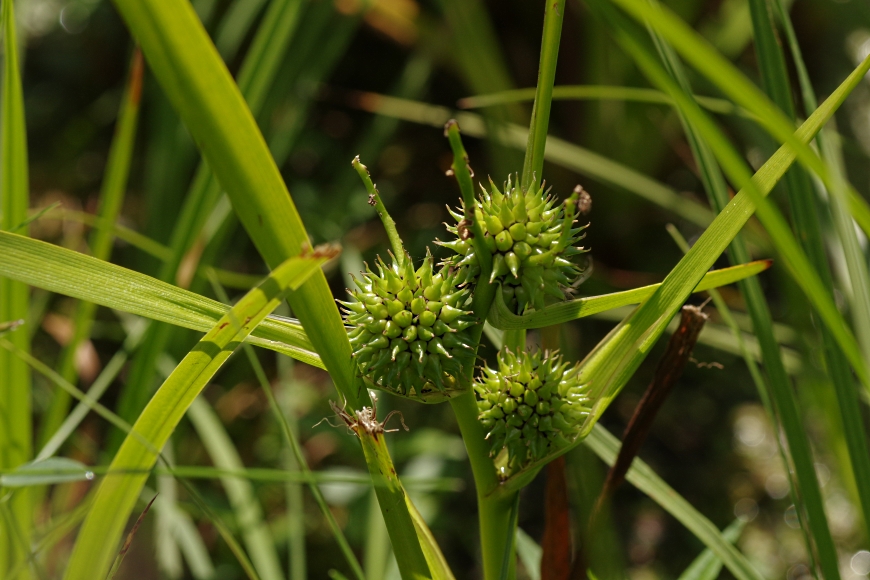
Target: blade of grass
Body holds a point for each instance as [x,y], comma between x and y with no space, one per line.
[111,199]
[606,446]
[117,495]
[558,151]
[609,366]
[15,407]
[198,84]
[295,498]
[805,489]
[733,83]
[66,272]
[776,395]
[292,442]
[805,212]
[501,317]
[249,515]
[27,475]
[859,278]
[596,92]
[707,565]
[533,164]
[123,426]
[256,75]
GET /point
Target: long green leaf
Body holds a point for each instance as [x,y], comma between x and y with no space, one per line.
[501,317]
[804,484]
[111,200]
[858,276]
[707,565]
[400,524]
[255,77]
[249,515]
[697,51]
[558,151]
[67,272]
[609,366]
[596,92]
[641,475]
[15,408]
[116,496]
[805,215]
[202,90]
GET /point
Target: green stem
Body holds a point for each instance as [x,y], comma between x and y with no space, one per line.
[462,171]
[533,165]
[375,201]
[494,513]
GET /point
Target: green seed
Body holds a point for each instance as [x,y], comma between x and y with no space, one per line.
[427,318]
[503,241]
[531,398]
[518,231]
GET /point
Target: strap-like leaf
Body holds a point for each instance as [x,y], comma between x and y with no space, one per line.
[117,494]
[501,317]
[67,272]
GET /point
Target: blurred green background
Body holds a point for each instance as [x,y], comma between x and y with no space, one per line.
[712,441]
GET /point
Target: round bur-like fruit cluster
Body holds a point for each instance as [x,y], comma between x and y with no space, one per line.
[408,329]
[532,405]
[531,239]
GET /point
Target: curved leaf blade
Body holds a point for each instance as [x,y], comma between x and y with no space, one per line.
[501,317]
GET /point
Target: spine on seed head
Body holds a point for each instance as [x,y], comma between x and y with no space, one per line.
[531,405]
[532,240]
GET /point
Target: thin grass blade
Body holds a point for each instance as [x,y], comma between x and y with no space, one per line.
[67,272]
[606,446]
[15,406]
[201,88]
[501,317]
[111,200]
[117,495]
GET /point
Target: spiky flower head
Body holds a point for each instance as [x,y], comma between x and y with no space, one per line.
[532,241]
[532,404]
[409,332]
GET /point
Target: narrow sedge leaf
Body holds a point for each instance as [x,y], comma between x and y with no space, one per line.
[501,317]
[725,75]
[201,89]
[533,164]
[858,277]
[249,514]
[596,92]
[15,407]
[707,565]
[117,494]
[613,365]
[400,523]
[613,361]
[67,272]
[805,217]
[49,471]
[111,200]
[641,475]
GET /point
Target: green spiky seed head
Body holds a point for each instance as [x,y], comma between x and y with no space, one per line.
[409,331]
[532,405]
[532,241]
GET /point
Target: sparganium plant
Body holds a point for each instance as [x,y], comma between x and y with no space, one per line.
[532,240]
[531,405]
[409,330]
